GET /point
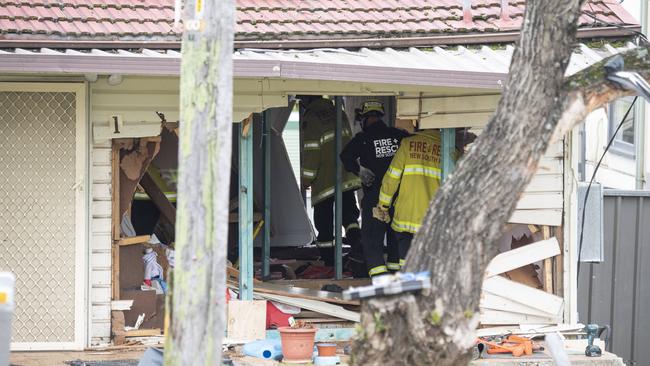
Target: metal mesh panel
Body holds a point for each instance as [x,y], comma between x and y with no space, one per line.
[37,211]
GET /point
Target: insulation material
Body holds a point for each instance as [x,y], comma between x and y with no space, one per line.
[133,165]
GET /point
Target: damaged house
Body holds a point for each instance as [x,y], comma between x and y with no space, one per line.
[90,95]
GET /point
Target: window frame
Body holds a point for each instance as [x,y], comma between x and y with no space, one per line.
[619,146]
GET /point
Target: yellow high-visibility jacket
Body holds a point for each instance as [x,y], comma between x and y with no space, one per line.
[415,171]
[318,151]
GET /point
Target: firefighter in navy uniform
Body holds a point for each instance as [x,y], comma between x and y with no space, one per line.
[368,155]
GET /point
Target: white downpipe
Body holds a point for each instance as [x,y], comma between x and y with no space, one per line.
[640,117]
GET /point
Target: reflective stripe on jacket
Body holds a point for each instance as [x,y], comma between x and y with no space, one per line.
[318,151]
[415,172]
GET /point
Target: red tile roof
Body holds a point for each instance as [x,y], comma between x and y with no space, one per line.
[152,20]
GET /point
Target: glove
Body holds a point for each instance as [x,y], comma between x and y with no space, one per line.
[381,213]
[366,175]
[464,138]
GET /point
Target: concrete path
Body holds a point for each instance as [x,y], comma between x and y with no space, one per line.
[60,358]
[607,359]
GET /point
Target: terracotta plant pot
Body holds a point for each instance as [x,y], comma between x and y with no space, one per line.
[297,344]
[326,349]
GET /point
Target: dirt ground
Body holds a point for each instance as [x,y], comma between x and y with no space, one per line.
[63,358]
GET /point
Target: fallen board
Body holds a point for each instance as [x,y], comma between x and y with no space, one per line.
[288,290]
[246,320]
[505,317]
[121,305]
[522,256]
[232,275]
[318,284]
[310,314]
[324,320]
[517,330]
[143,332]
[314,305]
[540,300]
[117,327]
[301,292]
[132,240]
[491,301]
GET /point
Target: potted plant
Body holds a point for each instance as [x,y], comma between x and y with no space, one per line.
[297,342]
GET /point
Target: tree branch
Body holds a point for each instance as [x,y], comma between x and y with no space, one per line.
[590,90]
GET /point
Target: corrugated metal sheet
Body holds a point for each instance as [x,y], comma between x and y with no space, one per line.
[481,67]
[467,59]
[617,291]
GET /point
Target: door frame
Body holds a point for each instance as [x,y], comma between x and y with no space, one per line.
[81,187]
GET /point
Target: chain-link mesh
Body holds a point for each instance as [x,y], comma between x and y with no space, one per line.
[37,211]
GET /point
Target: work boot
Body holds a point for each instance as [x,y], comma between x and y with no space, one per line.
[356,266]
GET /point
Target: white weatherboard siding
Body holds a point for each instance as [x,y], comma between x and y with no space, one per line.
[135,100]
[100,244]
[542,201]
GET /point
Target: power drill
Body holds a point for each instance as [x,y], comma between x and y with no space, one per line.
[592,333]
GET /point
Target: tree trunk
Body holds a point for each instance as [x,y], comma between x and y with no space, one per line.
[459,232]
[198,302]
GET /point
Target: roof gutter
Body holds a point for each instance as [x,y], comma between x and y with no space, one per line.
[395,42]
[170,66]
[88,44]
[404,42]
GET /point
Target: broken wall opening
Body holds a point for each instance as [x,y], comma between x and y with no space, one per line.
[538,218]
[143,231]
[151,209]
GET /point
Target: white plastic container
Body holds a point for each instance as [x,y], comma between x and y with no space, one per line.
[7,304]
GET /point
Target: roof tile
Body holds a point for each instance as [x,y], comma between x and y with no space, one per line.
[275,19]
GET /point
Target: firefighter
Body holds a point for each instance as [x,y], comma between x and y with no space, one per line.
[415,175]
[319,173]
[368,155]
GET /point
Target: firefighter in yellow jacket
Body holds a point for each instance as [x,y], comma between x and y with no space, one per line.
[416,173]
[319,172]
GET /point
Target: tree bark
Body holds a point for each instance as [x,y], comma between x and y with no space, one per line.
[459,232]
[198,301]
